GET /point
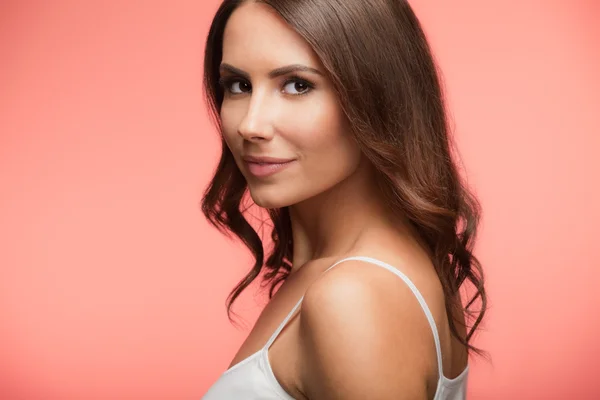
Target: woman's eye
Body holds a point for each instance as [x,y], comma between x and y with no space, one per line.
[297,87]
[241,86]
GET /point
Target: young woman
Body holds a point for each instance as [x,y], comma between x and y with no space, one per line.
[332,118]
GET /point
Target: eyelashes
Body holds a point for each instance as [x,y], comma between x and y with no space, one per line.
[226,82]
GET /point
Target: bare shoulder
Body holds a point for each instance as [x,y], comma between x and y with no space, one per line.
[364,334]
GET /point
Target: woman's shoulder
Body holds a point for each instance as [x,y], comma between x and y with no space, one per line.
[360,275]
[361,279]
[354,314]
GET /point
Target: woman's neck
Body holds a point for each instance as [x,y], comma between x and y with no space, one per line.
[332,222]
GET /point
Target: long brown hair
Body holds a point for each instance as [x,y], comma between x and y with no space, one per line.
[380,63]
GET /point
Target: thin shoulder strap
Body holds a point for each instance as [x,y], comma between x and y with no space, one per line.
[406,280]
[291,313]
[413,288]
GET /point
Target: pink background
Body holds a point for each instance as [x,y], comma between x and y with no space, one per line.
[112,285]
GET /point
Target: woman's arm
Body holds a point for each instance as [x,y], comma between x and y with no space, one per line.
[364,336]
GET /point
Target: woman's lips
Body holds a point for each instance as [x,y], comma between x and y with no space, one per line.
[263,169]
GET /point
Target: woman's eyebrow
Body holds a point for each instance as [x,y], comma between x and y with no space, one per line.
[273,74]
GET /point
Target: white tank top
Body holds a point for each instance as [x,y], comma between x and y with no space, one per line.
[253,377]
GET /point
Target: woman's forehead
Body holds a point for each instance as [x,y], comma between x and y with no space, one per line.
[255,33]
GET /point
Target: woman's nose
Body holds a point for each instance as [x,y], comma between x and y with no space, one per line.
[257,123]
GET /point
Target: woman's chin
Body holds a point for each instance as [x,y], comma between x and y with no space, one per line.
[269,197]
[268,200]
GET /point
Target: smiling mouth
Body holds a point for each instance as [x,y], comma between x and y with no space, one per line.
[263,169]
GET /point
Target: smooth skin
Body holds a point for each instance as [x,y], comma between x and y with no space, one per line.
[360,332]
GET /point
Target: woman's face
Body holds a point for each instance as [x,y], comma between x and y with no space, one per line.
[287,115]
